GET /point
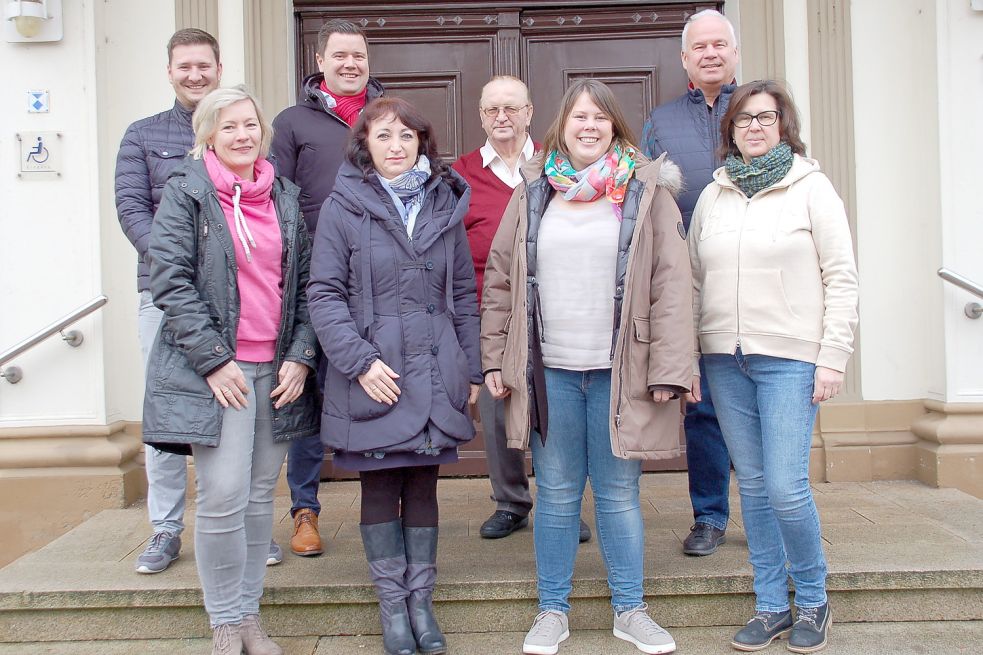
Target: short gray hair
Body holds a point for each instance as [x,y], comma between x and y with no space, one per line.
[205,119]
[707,13]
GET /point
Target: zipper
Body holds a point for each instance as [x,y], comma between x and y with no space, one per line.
[740,241]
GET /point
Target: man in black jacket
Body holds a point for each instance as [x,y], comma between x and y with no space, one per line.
[151,149]
[688,128]
[309,141]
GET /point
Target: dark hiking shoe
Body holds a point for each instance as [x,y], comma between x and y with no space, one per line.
[760,631]
[811,629]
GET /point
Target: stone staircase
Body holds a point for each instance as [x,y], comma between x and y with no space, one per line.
[899,553]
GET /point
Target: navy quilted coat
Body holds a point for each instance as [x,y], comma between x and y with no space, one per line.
[375,293]
[690,133]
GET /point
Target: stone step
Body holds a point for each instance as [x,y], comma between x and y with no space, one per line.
[914,638]
[897,552]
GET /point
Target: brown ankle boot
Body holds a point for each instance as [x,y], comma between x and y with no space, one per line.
[306,541]
[254,638]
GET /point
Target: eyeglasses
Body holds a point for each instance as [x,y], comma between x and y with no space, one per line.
[492,112]
[764,119]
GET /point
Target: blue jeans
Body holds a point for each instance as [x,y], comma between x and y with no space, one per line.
[234,521]
[304,461]
[579,446]
[167,473]
[707,461]
[766,412]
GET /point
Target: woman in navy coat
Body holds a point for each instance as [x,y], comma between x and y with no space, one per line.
[392,299]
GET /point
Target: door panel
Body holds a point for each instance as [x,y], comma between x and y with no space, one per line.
[439,56]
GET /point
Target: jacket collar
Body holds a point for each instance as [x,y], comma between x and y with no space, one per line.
[182,113]
[312,97]
[696,95]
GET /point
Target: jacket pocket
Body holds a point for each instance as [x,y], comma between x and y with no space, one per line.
[718,302]
[638,357]
[764,307]
[172,373]
[161,160]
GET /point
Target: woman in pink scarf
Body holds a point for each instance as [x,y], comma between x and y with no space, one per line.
[231,374]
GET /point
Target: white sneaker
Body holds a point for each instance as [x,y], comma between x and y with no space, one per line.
[638,627]
[547,631]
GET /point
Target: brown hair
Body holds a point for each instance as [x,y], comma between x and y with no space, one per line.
[337,26]
[358,151]
[788,116]
[191,36]
[603,97]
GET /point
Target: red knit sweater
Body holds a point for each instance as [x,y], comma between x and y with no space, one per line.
[489,197]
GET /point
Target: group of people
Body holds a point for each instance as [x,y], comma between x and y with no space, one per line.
[327,281]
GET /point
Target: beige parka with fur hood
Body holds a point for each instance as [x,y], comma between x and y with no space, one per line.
[653,344]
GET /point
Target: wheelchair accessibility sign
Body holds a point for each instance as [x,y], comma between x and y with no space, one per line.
[40,154]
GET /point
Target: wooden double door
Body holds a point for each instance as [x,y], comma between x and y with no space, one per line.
[439,56]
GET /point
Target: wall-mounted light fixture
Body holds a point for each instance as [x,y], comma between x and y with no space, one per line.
[32,21]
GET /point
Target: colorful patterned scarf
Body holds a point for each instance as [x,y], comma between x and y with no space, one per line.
[409,185]
[608,176]
[762,172]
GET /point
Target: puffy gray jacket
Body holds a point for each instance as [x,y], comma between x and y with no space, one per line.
[193,279]
[150,151]
[690,132]
[374,294]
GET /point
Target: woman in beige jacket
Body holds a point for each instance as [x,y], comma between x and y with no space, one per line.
[775,300]
[587,332]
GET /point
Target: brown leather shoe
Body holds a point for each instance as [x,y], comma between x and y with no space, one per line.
[306,541]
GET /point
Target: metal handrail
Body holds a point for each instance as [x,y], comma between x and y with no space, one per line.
[57,326]
[973,309]
[961,282]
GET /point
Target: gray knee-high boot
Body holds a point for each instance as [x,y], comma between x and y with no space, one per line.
[383,543]
[421,575]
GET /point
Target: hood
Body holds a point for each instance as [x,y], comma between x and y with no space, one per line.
[667,174]
[448,196]
[801,167]
[311,96]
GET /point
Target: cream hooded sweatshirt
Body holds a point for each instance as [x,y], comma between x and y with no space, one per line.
[775,273]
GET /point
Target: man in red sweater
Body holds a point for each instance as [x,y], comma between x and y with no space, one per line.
[493,173]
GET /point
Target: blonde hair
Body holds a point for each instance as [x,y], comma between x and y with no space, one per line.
[205,119]
[603,97]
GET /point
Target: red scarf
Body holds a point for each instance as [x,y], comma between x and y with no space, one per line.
[347,107]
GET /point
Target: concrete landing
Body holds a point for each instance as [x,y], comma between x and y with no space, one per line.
[937,638]
[898,551]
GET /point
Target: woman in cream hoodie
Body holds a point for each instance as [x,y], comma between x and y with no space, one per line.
[775,302]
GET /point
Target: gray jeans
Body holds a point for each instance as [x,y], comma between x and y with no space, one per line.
[234,520]
[506,466]
[167,473]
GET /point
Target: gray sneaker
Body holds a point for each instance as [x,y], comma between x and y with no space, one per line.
[548,630]
[638,627]
[276,554]
[163,549]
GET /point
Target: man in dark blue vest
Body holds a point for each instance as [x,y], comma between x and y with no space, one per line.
[688,128]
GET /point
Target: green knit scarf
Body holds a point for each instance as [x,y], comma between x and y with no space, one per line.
[762,172]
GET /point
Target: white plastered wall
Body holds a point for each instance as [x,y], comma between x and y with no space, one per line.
[131,58]
[960,97]
[899,222]
[62,244]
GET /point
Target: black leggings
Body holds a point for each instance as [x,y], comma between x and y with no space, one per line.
[409,492]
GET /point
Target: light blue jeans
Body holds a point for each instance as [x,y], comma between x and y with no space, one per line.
[234,521]
[167,473]
[765,409]
[579,446]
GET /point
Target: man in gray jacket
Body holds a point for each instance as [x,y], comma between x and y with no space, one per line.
[151,149]
[688,128]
